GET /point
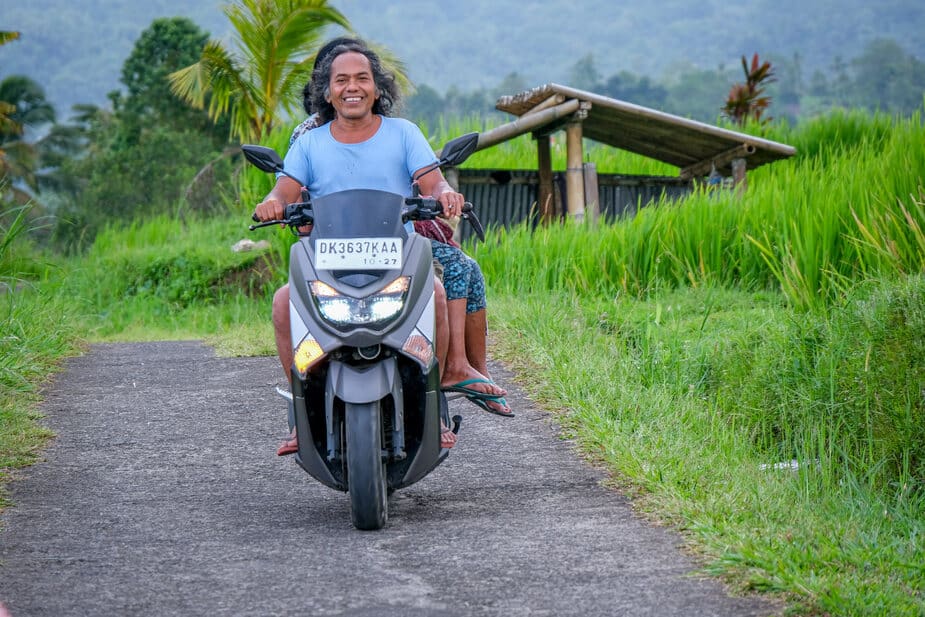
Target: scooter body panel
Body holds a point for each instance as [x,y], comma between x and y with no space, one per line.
[366,363]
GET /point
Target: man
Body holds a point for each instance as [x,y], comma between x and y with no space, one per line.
[357,145]
[464,366]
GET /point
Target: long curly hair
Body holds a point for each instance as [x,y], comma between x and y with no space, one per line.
[319,86]
[321,55]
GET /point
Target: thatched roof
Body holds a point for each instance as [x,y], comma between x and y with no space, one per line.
[694,147]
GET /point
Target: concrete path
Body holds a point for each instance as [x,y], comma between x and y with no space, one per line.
[162,495]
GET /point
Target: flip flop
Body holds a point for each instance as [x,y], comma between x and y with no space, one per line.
[483,402]
[470,393]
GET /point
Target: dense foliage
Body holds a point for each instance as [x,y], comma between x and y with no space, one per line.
[259,81]
[152,154]
[883,77]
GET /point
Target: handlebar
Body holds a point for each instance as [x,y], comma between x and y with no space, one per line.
[300,214]
[425,209]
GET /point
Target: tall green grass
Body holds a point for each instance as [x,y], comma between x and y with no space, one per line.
[34,336]
[849,206]
[786,446]
[166,278]
[755,364]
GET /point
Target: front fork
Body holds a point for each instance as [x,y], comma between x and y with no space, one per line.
[366,384]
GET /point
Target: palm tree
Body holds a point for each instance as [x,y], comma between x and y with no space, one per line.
[275,40]
[23,104]
[7,124]
[745,101]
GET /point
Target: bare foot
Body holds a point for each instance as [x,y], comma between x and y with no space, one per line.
[447,436]
[289,446]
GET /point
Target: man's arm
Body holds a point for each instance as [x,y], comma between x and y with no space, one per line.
[273,206]
[436,186]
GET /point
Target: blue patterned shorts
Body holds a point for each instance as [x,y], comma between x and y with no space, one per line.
[462,277]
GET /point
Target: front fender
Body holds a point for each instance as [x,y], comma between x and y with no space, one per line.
[353,384]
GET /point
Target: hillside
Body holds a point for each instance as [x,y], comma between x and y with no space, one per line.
[76,51]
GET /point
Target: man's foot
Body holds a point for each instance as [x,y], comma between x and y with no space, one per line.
[289,446]
[496,405]
[447,437]
[470,382]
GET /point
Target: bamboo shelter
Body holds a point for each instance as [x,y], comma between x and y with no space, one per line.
[697,149]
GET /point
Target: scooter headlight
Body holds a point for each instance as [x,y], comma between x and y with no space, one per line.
[374,310]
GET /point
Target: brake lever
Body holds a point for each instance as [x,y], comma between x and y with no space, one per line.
[468,213]
[266,224]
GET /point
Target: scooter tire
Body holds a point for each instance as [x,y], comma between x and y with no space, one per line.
[366,473]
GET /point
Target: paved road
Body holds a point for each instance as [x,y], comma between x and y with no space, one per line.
[162,495]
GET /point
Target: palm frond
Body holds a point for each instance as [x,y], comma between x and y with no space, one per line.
[273,47]
[6,36]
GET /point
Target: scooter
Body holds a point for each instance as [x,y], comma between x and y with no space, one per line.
[365,396]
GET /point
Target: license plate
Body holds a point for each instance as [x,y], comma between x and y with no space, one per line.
[358,253]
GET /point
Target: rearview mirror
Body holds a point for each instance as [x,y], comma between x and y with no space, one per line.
[458,150]
[263,158]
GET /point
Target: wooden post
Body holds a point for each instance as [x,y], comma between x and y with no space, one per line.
[452,176]
[545,201]
[592,195]
[739,179]
[574,176]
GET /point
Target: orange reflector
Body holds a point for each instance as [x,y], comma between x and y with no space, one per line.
[420,348]
[307,353]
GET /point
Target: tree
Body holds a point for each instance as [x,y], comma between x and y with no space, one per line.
[6,124]
[512,83]
[584,74]
[746,101]
[167,45]
[639,90]
[692,91]
[264,77]
[27,98]
[425,106]
[24,106]
[886,78]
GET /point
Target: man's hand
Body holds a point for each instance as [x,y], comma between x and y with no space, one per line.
[271,209]
[452,203]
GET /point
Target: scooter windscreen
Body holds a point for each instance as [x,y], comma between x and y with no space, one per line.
[358,231]
[359,213]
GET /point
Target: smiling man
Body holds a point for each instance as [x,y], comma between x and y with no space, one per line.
[357,146]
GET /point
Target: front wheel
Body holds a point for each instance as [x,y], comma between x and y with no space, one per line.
[366,478]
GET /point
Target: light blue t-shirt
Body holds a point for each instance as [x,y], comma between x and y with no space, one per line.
[383,162]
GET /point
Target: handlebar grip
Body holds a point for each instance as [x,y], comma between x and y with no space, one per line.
[255,218]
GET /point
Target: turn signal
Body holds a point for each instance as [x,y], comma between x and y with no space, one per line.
[419,347]
[306,354]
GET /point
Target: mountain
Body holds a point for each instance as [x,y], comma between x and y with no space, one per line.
[76,50]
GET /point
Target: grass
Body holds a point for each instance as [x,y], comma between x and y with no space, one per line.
[723,340]
[34,337]
[170,279]
[669,401]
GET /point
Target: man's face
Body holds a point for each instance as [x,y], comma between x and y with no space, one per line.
[353,89]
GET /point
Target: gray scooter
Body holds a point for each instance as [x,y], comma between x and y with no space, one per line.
[365,397]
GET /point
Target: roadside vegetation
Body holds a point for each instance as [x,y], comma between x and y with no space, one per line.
[36,333]
[750,369]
